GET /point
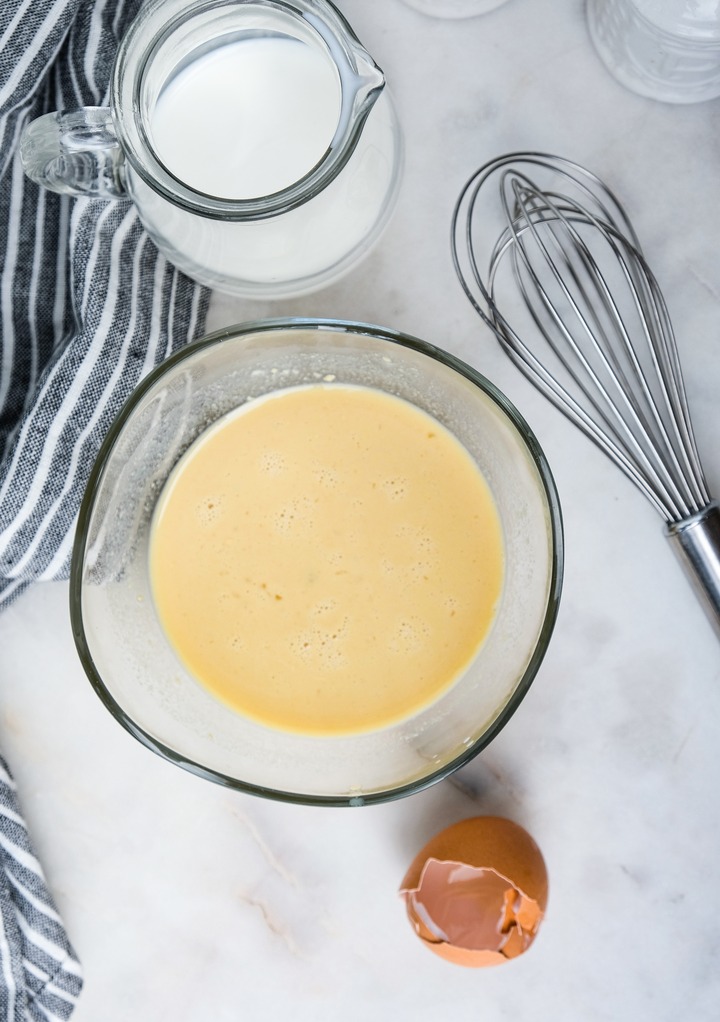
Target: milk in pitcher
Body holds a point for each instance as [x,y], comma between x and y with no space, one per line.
[256,138]
[248,119]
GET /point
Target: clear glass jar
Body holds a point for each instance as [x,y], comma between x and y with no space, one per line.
[665,49]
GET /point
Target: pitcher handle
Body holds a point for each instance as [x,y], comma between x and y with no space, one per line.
[75,153]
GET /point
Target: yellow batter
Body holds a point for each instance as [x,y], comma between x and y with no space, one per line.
[327,559]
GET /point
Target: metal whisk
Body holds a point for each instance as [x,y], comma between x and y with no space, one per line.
[562,282]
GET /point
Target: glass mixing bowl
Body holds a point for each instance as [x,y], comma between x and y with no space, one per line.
[124,650]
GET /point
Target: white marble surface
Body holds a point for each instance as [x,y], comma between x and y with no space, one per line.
[190,903]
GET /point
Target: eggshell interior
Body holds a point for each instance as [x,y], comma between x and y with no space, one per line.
[477,892]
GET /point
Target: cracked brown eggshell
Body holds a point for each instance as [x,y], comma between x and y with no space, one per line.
[476,893]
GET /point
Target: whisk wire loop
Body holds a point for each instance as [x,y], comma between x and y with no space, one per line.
[624,396]
[670,373]
[583,282]
[587,317]
[564,400]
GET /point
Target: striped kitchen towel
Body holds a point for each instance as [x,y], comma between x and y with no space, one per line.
[40,977]
[87,307]
[87,304]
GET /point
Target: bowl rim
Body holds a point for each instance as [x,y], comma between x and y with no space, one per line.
[349,327]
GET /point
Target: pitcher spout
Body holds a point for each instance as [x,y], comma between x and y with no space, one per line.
[371,81]
[361,80]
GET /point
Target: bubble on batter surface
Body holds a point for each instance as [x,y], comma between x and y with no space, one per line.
[409,635]
[209,509]
[395,489]
[273,463]
[323,647]
[296,516]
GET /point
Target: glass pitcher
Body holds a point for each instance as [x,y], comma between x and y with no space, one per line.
[256,138]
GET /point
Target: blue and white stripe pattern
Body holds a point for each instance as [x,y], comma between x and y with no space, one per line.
[87,307]
[87,304]
[40,976]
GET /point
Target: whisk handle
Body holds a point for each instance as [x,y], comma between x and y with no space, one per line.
[697,544]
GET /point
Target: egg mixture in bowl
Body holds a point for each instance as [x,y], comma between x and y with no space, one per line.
[318,561]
